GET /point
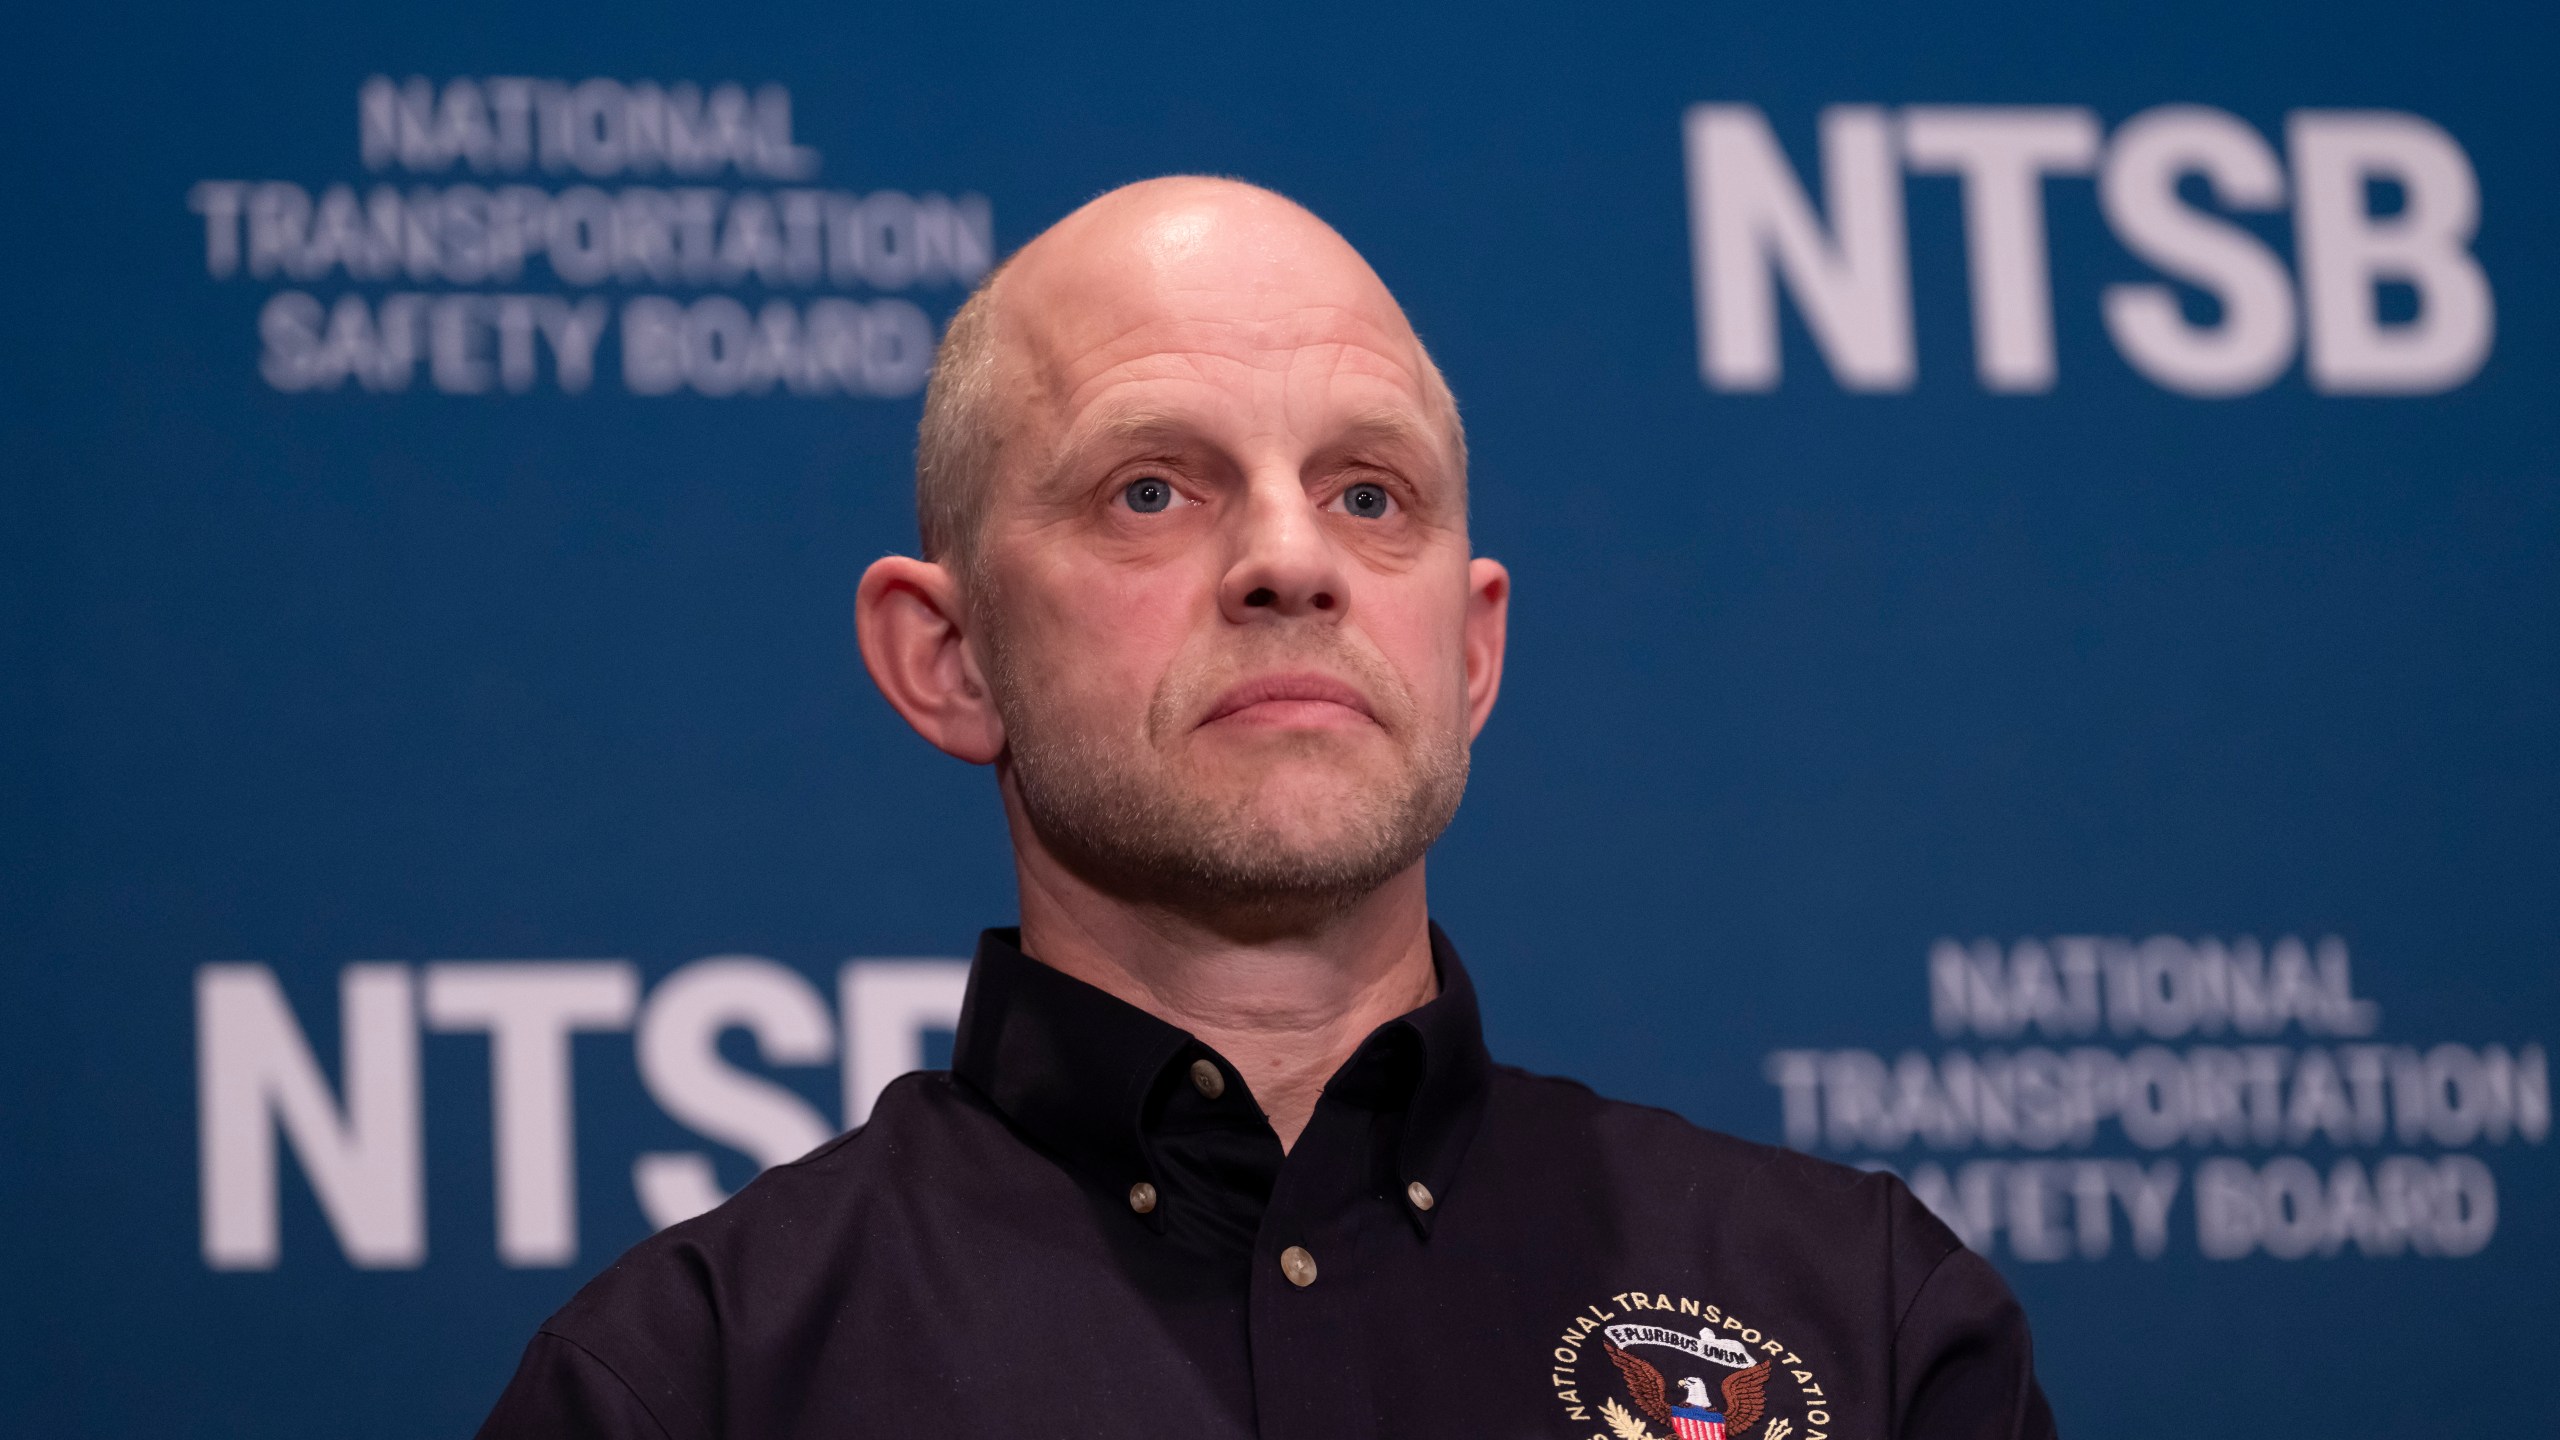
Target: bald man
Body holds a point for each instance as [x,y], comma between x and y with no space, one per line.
[1221,1152]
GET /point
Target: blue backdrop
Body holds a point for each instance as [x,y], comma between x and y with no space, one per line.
[2038,561]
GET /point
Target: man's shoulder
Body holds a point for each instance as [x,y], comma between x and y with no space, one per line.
[1648,1158]
[796,1224]
[1662,1136]
[661,1326]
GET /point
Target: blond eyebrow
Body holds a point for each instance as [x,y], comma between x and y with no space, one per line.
[1120,428]
[1143,424]
[1149,423]
[1392,426]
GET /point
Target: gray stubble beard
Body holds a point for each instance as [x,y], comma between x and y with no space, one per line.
[1119,817]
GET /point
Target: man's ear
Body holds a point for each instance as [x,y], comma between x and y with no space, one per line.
[912,625]
[1488,618]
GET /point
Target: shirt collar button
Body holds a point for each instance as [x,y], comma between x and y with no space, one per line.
[1420,1194]
[1208,1079]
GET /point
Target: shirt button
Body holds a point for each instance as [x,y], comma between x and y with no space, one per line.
[1208,1079]
[1420,1195]
[1142,1197]
[1299,1266]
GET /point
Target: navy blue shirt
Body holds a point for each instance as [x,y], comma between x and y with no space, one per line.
[1088,1228]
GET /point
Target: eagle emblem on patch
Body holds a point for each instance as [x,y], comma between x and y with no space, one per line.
[1679,1368]
[1696,1415]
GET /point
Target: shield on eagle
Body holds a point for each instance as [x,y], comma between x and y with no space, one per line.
[1692,1424]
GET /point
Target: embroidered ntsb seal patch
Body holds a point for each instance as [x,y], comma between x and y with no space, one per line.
[1647,1359]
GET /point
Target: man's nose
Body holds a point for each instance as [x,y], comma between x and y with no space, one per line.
[1285,563]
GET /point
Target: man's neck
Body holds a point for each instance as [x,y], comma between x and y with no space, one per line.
[1287,1010]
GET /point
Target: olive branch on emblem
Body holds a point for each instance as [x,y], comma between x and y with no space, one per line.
[1623,1422]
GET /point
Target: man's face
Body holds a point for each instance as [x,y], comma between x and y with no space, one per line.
[1225,595]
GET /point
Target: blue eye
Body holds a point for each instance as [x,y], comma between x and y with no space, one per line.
[1147,496]
[1369,502]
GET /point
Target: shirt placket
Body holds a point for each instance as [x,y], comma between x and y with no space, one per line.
[1318,1273]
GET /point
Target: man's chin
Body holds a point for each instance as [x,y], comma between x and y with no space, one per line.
[1296,843]
[1298,801]
[1260,836]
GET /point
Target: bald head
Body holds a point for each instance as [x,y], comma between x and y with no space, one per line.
[1158,267]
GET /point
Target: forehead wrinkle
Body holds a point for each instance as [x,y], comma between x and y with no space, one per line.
[1393,422]
[1303,324]
[1332,358]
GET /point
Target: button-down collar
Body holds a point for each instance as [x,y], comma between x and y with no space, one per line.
[1109,1091]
